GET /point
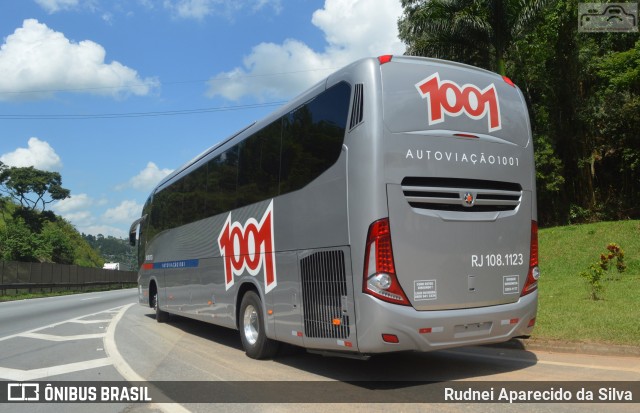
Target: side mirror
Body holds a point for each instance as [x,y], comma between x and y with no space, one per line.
[133,230]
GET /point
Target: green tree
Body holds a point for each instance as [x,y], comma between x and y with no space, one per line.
[18,243]
[56,244]
[583,91]
[33,188]
[477,32]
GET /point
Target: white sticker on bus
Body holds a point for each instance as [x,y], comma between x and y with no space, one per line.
[425,290]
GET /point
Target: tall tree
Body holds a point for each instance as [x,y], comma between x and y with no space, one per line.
[31,187]
[477,32]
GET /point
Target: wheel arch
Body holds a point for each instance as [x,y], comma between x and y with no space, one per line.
[242,290]
[153,288]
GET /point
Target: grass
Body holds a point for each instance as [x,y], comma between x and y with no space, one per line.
[565,310]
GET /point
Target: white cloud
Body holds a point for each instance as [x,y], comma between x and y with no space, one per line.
[36,61]
[73,203]
[147,179]
[79,218]
[76,209]
[199,9]
[126,212]
[352,28]
[53,6]
[80,211]
[38,154]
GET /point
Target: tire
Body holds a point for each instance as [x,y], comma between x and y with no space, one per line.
[255,342]
[161,316]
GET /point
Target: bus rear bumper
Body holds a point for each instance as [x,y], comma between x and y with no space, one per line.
[382,324]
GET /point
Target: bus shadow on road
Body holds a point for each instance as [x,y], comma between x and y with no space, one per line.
[467,363]
[217,334]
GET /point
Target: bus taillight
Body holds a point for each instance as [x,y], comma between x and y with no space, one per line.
[379,270]
[531,283]
[385,58]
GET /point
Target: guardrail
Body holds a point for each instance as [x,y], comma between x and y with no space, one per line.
[34,276]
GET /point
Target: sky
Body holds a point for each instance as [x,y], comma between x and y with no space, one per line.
[116,94]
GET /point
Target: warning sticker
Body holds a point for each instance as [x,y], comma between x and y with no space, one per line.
[510,284]
[424,290]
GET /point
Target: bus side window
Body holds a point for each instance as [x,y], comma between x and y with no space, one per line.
[194,189]
[222,176]
[259,165]
[312,137]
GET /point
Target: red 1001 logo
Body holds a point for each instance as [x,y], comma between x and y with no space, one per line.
[447,97]
[249,247]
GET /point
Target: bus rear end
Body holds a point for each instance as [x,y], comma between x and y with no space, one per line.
[455,262]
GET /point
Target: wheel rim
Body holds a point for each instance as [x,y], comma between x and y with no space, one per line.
[251,326]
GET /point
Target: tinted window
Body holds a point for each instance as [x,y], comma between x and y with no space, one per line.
[222,176]
[312,137]
[193,191]
[259,165]
[280,158]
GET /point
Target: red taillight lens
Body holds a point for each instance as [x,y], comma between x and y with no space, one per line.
[379,278]
[531,284]
[385,58]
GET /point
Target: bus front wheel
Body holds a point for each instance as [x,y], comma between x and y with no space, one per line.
[255,342]
[161,316]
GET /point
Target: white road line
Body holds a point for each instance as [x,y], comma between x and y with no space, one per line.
[57,324]
[25,375]
[51,337]
[90,321]
[125,369]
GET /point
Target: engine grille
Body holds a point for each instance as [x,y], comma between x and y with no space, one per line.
[461,195]
[324,295]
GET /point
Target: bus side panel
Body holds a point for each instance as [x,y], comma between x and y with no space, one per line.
[143,288]
[286,300]
[210,302]
[312,217]
[311,221]
[316,215]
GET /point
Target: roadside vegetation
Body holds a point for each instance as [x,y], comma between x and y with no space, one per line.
[29,232]
[566,309]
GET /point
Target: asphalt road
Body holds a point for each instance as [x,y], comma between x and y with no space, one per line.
[107,337]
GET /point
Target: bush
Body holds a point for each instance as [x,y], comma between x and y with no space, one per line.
[596,272]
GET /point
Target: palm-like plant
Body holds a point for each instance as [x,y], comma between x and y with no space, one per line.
[478,32]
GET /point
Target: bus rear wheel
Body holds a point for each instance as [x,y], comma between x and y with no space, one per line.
[255,342]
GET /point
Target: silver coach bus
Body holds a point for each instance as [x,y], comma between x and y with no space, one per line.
[391,207]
